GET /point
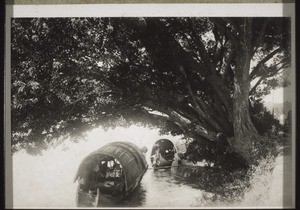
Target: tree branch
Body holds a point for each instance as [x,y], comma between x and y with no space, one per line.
[206,117]
[185,124]
[227,57]
[232,36]
[256,84]
[271,74]
[263,61]
[217,115]
[182,57]
[202,51]
[259,37]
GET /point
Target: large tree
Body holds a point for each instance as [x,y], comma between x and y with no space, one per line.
[189,76]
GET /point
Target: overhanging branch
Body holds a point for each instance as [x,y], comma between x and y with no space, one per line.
[275,71]
[263,61]
[205,116]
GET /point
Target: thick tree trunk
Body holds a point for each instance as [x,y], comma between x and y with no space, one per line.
[244,131]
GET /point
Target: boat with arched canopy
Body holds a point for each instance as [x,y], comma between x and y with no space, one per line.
[109,174]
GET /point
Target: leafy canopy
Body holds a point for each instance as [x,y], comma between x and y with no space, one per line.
[70,75]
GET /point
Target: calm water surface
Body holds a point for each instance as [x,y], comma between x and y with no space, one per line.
[161,189]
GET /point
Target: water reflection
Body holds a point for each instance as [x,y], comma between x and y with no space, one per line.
[161,189]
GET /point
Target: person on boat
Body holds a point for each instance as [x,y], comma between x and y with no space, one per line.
[84,180]
[103,169]
[144,150]
[119,184]
[92,181]
[155,158]
[177,160]
[118,170]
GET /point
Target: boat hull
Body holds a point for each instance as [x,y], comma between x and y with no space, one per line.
[96,199]
[180,169]
[161,163]
[108,175]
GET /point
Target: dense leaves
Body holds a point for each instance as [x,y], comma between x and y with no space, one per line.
[263,119]
[70,75]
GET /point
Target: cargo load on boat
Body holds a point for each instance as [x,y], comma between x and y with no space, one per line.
[109,174]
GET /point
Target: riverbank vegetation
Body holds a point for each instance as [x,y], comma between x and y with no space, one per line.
[223,187]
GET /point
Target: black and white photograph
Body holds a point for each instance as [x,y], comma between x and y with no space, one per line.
[150,106]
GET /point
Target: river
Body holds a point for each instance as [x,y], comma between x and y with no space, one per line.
[46,181]
[161,189]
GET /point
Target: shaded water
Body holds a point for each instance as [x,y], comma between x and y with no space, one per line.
[161,189]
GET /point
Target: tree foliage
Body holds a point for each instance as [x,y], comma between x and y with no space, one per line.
[263,119]
[70,75]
